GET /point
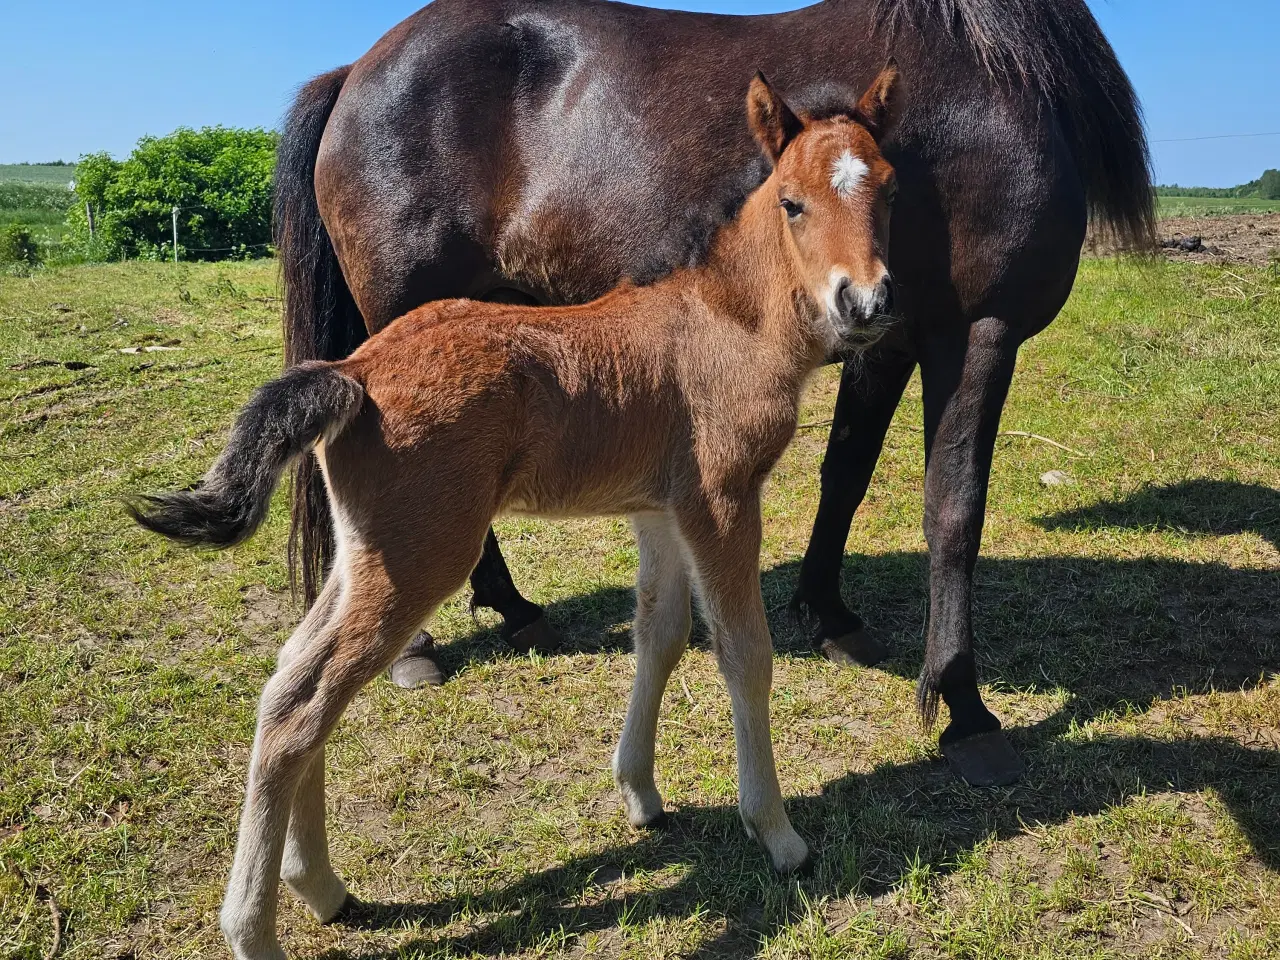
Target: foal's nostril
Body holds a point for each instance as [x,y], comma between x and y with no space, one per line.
[844,297]
[885,297]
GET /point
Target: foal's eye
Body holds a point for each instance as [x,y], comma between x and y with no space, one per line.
[793,209]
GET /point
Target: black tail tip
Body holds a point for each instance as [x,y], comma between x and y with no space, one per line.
[187,518]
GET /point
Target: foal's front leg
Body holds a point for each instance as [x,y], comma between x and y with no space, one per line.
[726,559]
[660,633]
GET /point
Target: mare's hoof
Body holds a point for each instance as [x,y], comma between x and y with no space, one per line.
[861,648]
[985,759]
[539,635]
[415,670]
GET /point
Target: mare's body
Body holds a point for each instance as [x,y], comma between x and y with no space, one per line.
[541,150]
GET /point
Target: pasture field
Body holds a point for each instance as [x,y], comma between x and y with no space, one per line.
[41,206]
[1213,206]
[46,173]
[1129,629]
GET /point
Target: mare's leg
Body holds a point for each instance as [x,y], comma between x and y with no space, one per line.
[525,625]
[965,384]
[330,658]
[869,394]
[726,560]
[661,633]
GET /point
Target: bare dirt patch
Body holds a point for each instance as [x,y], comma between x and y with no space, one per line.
[1252,238]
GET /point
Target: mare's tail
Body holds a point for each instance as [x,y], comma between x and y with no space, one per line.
[1057,48]
[282,421]
[321,321]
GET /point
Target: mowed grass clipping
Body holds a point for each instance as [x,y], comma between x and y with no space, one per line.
[1128,625]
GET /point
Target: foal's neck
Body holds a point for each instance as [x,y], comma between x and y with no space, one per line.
[750,277]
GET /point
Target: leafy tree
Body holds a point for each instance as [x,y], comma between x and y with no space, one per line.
[218,177]
[1269,185]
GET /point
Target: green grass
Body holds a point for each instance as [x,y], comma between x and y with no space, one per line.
[37,173]
[1129,629]
[41,206]
[1213,206]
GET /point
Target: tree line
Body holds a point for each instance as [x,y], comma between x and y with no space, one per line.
[219,178]
[1266,187]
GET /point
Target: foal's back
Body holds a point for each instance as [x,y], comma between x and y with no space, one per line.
[570,410]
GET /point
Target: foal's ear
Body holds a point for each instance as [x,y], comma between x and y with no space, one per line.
[879,106]
[772,122]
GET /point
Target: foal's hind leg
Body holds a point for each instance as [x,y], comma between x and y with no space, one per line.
[661,633]
[305,866]
[374,617]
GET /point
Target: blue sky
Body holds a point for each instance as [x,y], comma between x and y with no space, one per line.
[79,77]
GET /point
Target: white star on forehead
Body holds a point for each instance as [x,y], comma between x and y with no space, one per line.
[847,172]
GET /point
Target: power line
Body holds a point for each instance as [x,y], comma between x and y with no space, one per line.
[1220,136]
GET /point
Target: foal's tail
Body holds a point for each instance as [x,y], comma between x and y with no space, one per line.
[282,420]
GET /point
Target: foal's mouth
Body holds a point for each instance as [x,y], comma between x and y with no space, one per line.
[867,335]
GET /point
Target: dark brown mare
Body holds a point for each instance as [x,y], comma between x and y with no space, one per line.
[540,150]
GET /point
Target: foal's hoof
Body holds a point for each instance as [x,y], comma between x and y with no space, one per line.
[539,635]
[351,907]
[805,867]
[985,759]
[415,670]
[861,648]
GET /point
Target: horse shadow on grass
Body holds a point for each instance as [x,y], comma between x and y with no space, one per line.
[869,832]
[1197,506]
[1113,633]
[1116,634]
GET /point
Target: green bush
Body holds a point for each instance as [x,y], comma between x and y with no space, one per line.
[17,245]
[1269,185]
[219,178]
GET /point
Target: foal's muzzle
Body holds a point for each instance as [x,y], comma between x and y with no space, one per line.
[861,311]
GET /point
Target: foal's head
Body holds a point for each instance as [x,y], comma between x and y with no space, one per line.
[834,193]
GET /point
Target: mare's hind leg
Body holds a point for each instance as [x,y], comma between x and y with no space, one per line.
[726,559]
[378,607]
[869,394]
[965,384]
[525,625]
[661,633]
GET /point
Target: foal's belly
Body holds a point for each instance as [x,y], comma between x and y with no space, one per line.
[557,496]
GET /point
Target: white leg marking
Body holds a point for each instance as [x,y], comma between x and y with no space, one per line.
[305,867]
[740,636]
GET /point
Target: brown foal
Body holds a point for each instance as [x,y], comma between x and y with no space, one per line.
[670,403]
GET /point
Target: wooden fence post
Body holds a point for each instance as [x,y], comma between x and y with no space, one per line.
[175,234]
